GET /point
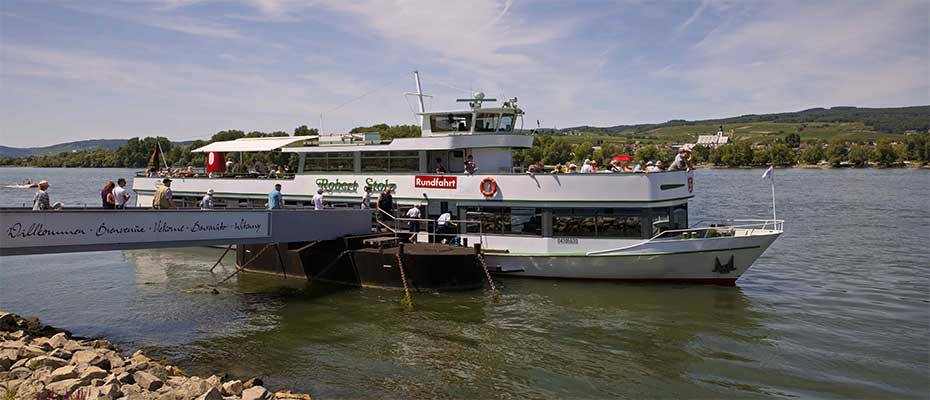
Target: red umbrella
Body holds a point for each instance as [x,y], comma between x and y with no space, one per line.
[623,157]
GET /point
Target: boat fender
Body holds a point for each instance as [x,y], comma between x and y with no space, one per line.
[488,187]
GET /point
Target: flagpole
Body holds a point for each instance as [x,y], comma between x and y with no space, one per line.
[774,218]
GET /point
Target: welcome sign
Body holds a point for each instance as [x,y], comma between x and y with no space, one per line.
[63,228]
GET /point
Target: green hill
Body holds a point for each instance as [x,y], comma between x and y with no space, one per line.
[849,123]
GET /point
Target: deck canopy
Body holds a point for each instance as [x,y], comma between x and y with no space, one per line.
[254,144]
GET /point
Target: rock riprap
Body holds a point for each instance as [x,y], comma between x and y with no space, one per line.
[38,361]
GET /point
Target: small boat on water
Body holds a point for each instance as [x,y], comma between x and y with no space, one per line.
[604,226]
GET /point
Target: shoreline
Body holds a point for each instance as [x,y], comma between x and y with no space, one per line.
[913,165]
[42,362]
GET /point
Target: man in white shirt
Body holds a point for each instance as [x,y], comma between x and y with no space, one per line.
[414,213]
[121,194]
[445,226]
[318,200]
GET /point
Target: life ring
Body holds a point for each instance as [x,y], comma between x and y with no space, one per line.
[488,187]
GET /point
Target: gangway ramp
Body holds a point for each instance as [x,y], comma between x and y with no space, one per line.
[23,231]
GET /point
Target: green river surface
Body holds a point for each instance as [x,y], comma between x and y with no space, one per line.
[838,307]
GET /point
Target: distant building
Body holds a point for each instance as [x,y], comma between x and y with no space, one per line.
[714,141]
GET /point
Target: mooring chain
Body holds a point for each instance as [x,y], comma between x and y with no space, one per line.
[239,268]
[407,301]
[487,273]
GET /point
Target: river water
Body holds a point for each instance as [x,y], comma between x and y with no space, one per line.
[838,307]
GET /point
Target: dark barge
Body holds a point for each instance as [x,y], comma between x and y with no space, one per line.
[378,261]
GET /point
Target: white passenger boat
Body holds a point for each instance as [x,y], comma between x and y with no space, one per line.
[609,226]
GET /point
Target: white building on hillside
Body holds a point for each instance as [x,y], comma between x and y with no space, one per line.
[714,141]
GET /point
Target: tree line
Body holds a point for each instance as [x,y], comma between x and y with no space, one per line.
[136,153]
[549,149]
[786,151]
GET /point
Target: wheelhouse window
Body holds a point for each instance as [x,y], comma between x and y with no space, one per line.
[588,222]
[487,122]
[329,162]
[507,122]
[450,122]
[504,220]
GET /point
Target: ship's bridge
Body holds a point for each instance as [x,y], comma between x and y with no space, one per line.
[478,120]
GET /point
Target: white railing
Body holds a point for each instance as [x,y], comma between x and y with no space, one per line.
[727,228]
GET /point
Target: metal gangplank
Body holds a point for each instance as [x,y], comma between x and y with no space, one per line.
[23,231]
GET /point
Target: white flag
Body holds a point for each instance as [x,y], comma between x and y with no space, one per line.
[768,173]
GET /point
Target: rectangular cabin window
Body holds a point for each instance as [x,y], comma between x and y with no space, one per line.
[602,223]
[450,122]
[405,164]
[487,122]
[504,220]
[397,161]
[329,162]
[374,161]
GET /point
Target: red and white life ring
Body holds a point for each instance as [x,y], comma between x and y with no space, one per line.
[488,187]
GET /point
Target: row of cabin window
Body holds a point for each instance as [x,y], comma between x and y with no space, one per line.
[484,122]
[577,222]
[377,161]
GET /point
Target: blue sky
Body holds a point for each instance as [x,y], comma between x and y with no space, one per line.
[72,70]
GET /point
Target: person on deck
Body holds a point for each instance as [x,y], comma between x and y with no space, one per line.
[206,203]
[640,167]
[318,200]
[470,167]
[651,167]
[42,201]
[120,194]
[586,168]
[106,196]
[682,161]
[163,198]
[440,168]
[275,198]
[189,173]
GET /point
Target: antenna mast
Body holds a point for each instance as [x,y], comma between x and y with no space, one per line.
[416,76]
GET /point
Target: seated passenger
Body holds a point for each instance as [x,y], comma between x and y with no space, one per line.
[651,167]
[440,168]
[470,166]
[660,165]
[639,167]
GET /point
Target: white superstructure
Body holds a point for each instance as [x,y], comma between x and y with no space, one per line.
[586,226]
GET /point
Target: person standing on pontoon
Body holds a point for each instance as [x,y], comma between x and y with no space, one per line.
[120,194]
[318,200]
[41,201]
[366,199]
[275,198]
[206,203]
[385,207]
[414,214]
